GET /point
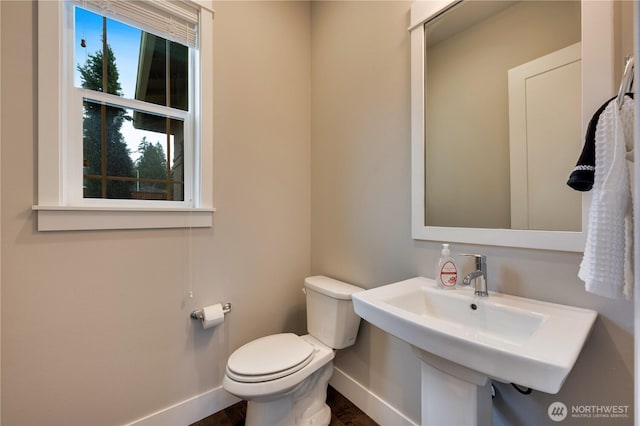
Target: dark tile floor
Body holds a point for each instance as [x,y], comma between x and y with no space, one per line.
[343,413]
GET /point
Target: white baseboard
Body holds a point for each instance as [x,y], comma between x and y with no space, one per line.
[190,410]
[372,405]
[200,406]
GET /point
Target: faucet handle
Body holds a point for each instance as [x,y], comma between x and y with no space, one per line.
[474,255]
[481,259]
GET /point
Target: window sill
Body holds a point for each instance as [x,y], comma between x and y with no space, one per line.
[72,218]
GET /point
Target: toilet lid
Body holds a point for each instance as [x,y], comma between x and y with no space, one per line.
[269,358]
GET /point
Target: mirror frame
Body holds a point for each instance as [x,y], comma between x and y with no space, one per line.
[598,84]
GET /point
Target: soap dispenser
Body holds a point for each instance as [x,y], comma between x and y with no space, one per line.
[446,269]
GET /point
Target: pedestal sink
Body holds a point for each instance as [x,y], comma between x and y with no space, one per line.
[464,341]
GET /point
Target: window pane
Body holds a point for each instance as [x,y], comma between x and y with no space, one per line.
[143,154]
[158,58]
[137,62]
[123,44]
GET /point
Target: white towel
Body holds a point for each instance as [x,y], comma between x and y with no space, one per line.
[607,265]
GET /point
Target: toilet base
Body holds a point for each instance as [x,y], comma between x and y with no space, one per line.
[305,405]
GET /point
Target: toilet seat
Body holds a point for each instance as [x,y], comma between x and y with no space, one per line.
[269,358]
[253,391]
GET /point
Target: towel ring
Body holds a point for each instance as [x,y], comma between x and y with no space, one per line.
[627,81]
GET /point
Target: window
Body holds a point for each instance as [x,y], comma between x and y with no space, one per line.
[122,143]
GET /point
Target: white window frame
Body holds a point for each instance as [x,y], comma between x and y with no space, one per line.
[59,181]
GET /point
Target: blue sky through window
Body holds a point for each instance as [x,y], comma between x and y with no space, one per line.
[123,39]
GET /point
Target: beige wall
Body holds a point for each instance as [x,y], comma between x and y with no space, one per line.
[361,220]
[468,171]
[95,325]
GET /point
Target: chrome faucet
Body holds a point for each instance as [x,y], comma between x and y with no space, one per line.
[479,275]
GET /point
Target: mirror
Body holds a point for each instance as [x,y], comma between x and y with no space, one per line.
[500,100]
[474,52]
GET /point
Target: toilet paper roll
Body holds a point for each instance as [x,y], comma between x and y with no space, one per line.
[212,315]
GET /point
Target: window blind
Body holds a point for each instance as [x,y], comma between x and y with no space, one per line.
[174,20]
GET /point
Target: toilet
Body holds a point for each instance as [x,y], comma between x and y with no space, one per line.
[284,377]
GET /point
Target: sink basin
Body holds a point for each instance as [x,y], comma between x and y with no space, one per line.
[507,338]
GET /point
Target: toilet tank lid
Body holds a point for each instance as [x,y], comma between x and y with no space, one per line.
[330,287]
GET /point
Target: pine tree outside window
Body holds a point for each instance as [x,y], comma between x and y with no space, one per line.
[132,143]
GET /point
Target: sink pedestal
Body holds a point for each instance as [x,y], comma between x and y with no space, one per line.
[452,394]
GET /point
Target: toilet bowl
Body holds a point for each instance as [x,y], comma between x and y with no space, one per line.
[284,377]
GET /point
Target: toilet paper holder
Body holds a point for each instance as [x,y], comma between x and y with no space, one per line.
[198,314]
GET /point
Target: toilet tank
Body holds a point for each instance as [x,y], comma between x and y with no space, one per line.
[330,315]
